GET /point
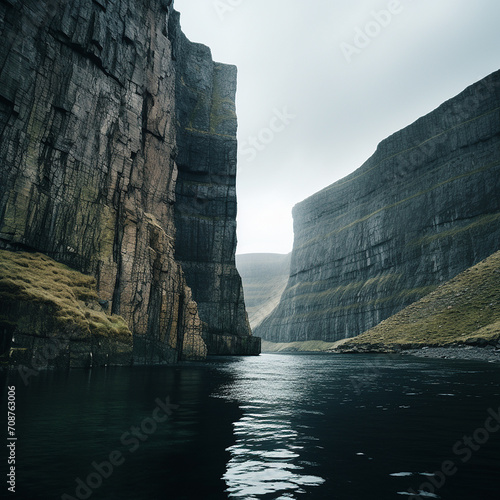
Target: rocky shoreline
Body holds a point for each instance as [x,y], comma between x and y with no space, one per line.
[471,351]
[490,353]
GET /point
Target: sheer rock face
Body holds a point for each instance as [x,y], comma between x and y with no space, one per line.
[88,147]
[205,208]
[423,208]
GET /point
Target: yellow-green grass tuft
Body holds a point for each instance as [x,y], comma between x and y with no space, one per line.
[466,308]
[35,277]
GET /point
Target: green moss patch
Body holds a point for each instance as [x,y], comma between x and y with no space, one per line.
[466,309]
[34,277]
[482,220]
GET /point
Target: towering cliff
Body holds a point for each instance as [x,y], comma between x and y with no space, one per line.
[423,208]
[264,277]
[91,103]
[205,208]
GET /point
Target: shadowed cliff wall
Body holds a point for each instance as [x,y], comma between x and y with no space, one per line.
[205,208]
[88,129]
[423,208]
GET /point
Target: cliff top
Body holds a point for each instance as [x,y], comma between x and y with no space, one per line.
[453,112]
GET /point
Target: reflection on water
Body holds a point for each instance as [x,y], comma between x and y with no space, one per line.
[269,427]
[266,456]
[319,426]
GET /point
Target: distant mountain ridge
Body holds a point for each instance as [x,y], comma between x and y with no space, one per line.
[264,277]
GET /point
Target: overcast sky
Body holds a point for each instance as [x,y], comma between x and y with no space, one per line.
[322,82]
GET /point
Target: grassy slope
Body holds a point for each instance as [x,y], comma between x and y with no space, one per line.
[466,309]
[34,277]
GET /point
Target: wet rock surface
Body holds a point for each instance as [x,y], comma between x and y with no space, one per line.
[470,353]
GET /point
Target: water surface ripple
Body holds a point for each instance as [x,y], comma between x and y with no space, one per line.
[277,426]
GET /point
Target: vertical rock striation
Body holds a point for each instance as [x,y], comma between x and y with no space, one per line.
[205,208]
[423,208]
[88,148]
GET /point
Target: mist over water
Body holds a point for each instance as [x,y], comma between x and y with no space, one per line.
[267,427]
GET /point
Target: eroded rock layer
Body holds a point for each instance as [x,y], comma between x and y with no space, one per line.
[88,148]
[423,208]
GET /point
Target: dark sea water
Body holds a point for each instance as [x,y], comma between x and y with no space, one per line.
[271,427]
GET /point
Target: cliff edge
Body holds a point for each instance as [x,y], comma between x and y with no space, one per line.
[205,208]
